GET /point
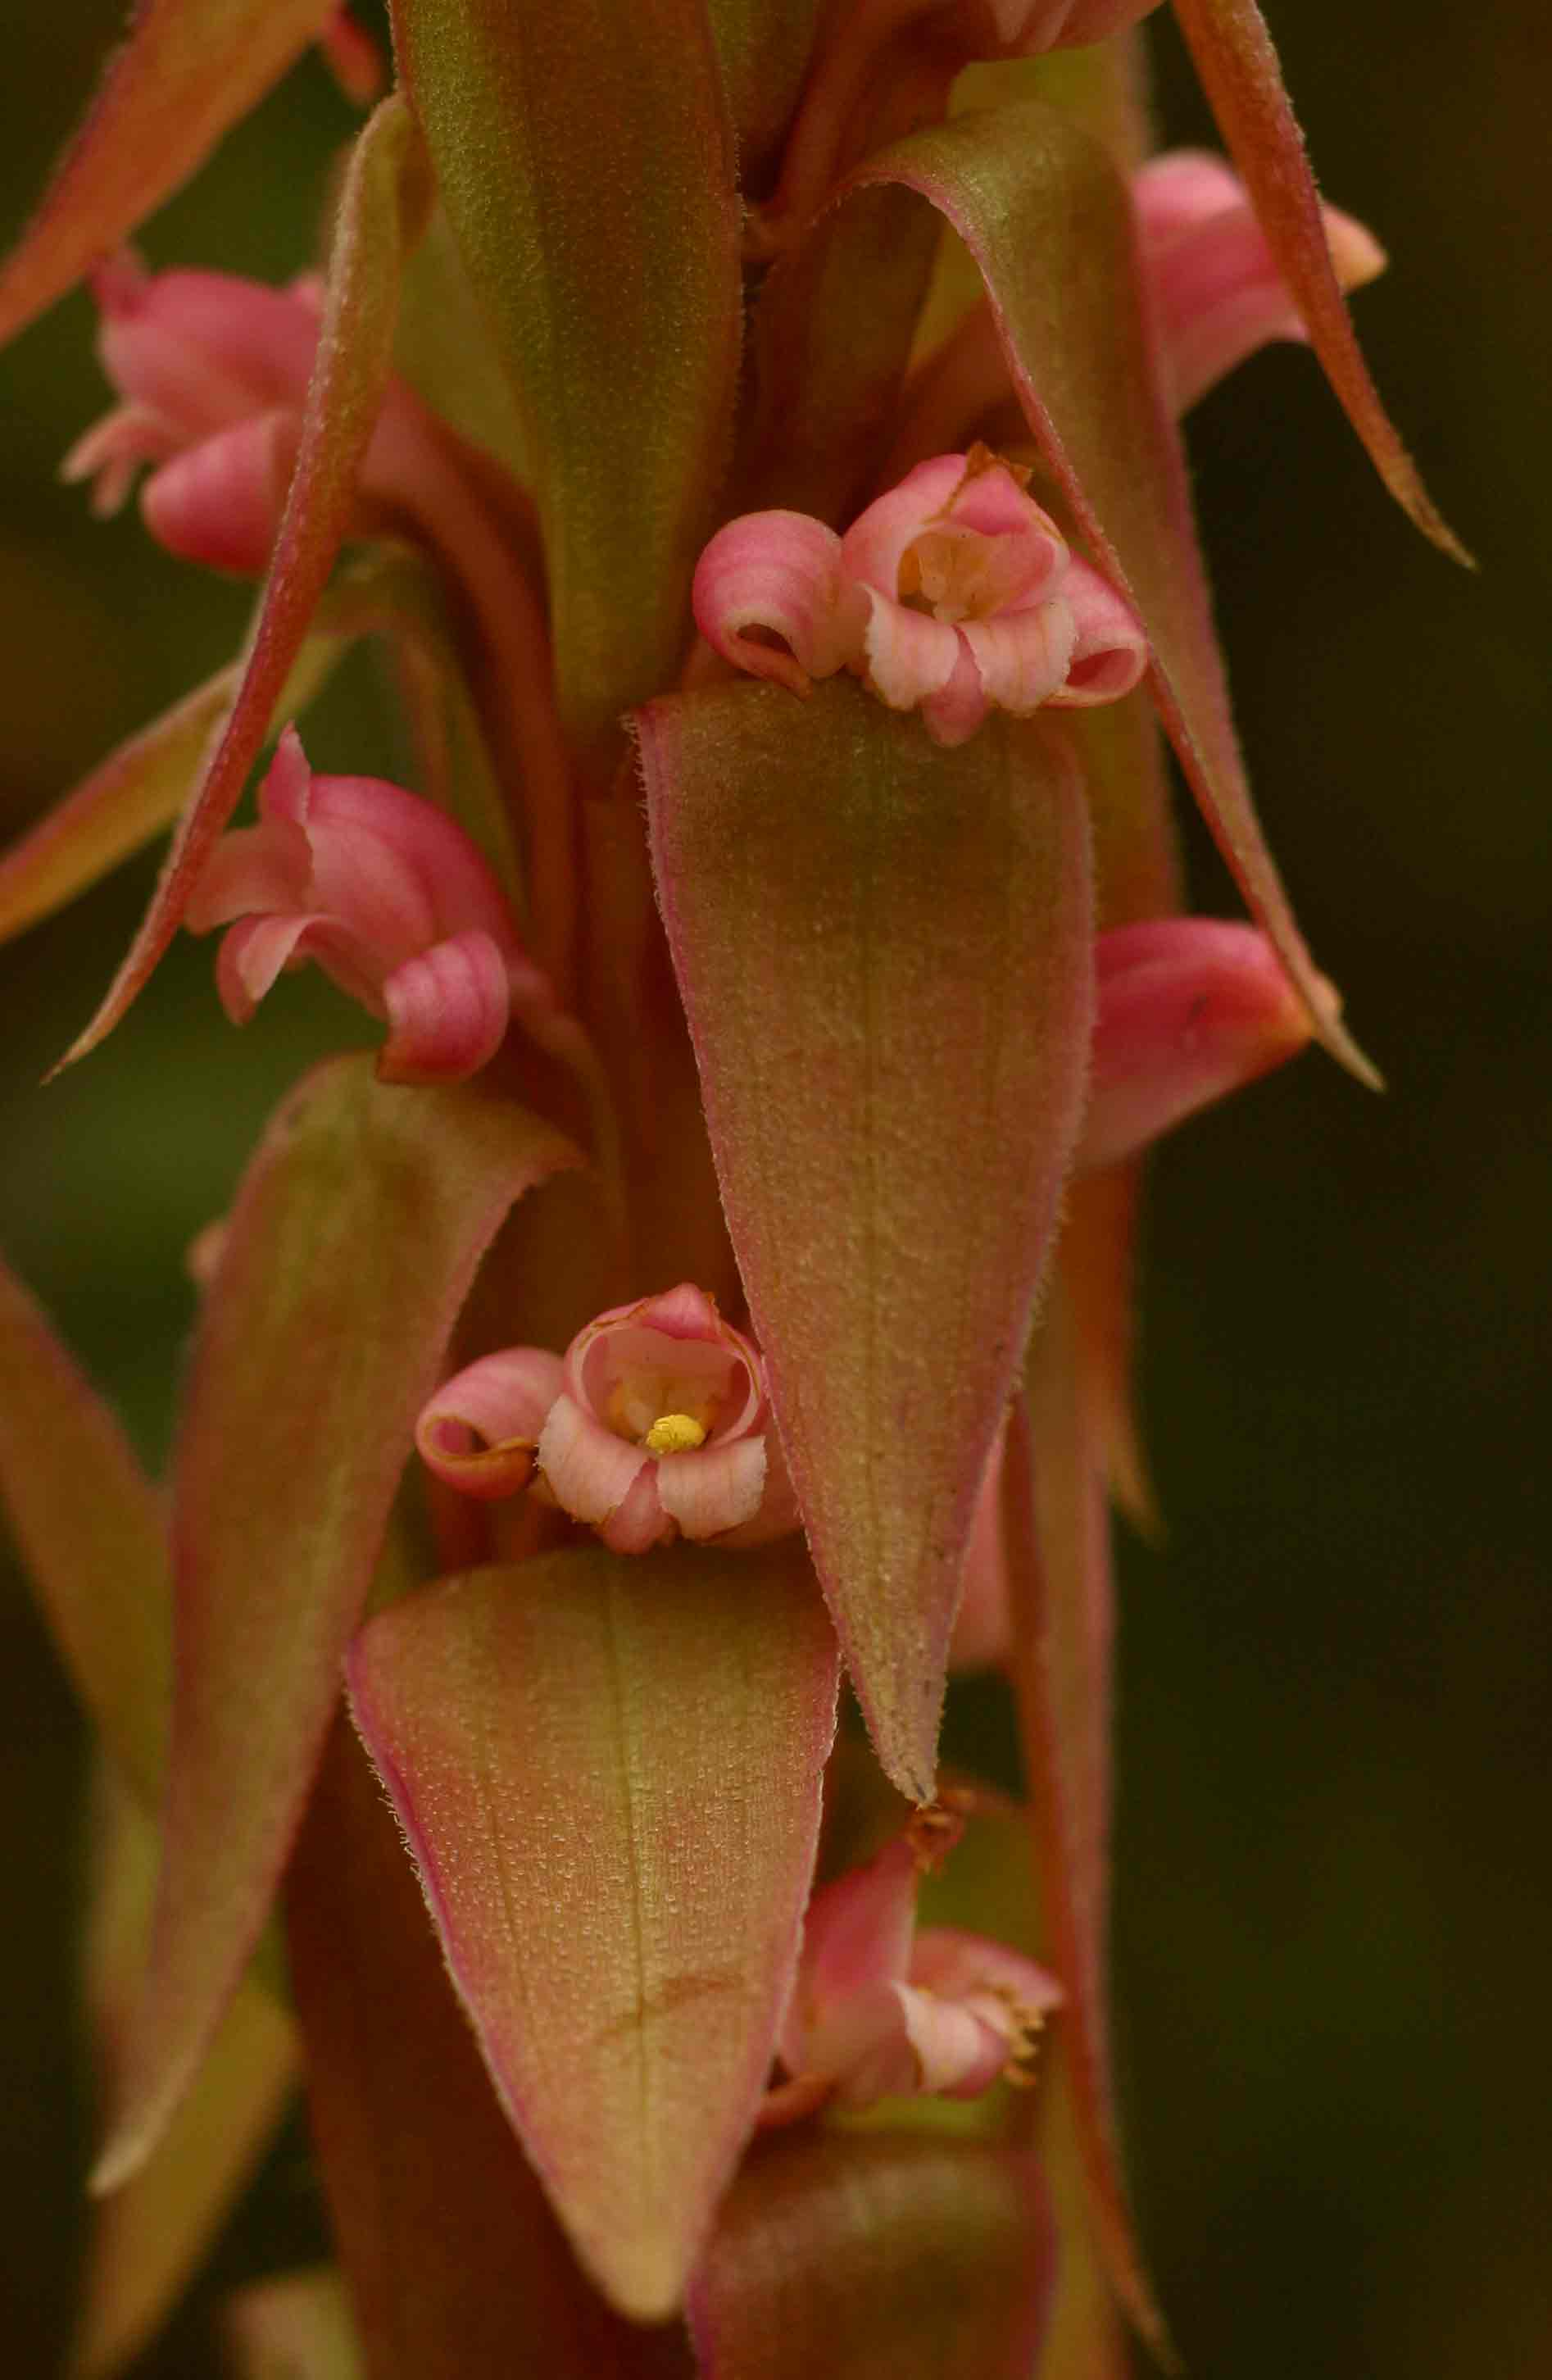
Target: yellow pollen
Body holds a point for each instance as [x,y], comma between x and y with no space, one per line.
[674,1434]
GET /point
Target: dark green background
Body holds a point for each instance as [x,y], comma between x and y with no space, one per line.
[1334,1928]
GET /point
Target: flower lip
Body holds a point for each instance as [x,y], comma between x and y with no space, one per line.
[667,1374]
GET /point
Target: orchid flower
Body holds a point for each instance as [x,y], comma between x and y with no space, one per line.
[655,1424]
[884,2011]
[952,594]
[388,897]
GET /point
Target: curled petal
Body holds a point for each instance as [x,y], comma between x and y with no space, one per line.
[478,1433]
[1190,1009]
[448,1011]
[715,1490]
[1180,191]
[1110,651]
[779,572]
[588,1470]
[219,502]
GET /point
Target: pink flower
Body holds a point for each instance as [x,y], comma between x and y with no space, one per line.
[952,594]
[1217,294]
[212,372]
[390,897]
[655,1424]
[881,2010]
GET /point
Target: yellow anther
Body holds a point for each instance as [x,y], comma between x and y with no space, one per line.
[674,1434]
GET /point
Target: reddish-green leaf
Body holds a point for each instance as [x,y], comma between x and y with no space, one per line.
[91,1531]
[884,953]
[1239,68]
[1056,1537]
[381,207]
[349,1252]
[607,1769]
[147,2241]
[829,344]
[764,48]
[136,793]
[584,160]
[457,2269]
[877,2258]
[188,71]
[1046,215]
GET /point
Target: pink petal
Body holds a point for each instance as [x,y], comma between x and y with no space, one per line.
[779,571]
[353,57]
[907,656]
[253,955]
[1190,1009]
[638,1522]
[203,349]
[479,1432]
[872,547]
[952,715]
[956,1964]
[1110,654]
[258,871]
[1023,657]
[588,1469]
[958,2054]
[686,1312]
[714,1489]
[448,1011]
[1180,191]
[1218,294]
[858,1933]
[220,502]
[863,2045]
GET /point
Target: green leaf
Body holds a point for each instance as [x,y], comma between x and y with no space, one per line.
[764,46]
[830,341]
[877,2258]
[1047,217]
[884,951]
[188,70]
[137,792]
[584,158]
[457,2269]
[1234,57]
[349,1254]
[608,1770]
[381,207]
[147,2241]
[91,1530]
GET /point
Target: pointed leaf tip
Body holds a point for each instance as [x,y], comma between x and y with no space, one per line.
[891,1119]
[608,1769]
[1049,221]
[1235,57]
[382,208]
[284,1472]
[185,75]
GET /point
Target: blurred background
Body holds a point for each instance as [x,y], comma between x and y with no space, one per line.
[1334,1920]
